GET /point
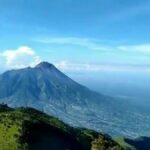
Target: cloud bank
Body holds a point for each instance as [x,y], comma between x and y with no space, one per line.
[21,57]
[83,42]
[98,45]
[93,67]
[25,56]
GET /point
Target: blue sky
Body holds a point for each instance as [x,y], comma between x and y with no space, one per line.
[88,35]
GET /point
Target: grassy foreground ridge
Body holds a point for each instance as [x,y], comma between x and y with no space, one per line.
[29,129]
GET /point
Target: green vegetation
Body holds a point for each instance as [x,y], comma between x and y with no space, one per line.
[29,129]
[124,144]
[102,143]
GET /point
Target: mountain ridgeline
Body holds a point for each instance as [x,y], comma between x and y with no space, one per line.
[43,84]
[47,89]
[29,129]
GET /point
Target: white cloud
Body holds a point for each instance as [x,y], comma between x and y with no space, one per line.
[83,42]
[22,57]
[97,45]
[91,67]
[143,48]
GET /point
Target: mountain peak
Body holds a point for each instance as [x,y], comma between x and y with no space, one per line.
[44,65]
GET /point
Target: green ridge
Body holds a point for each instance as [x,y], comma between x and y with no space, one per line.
[29,129]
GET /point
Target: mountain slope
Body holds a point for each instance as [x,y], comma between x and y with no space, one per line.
[43,83]
[142,143]
[47,89]
[29,129]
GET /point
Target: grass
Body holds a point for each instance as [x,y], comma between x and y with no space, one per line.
[9,131]
[121,141]
[29,129]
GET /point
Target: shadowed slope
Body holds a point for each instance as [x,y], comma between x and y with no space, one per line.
[29,129]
